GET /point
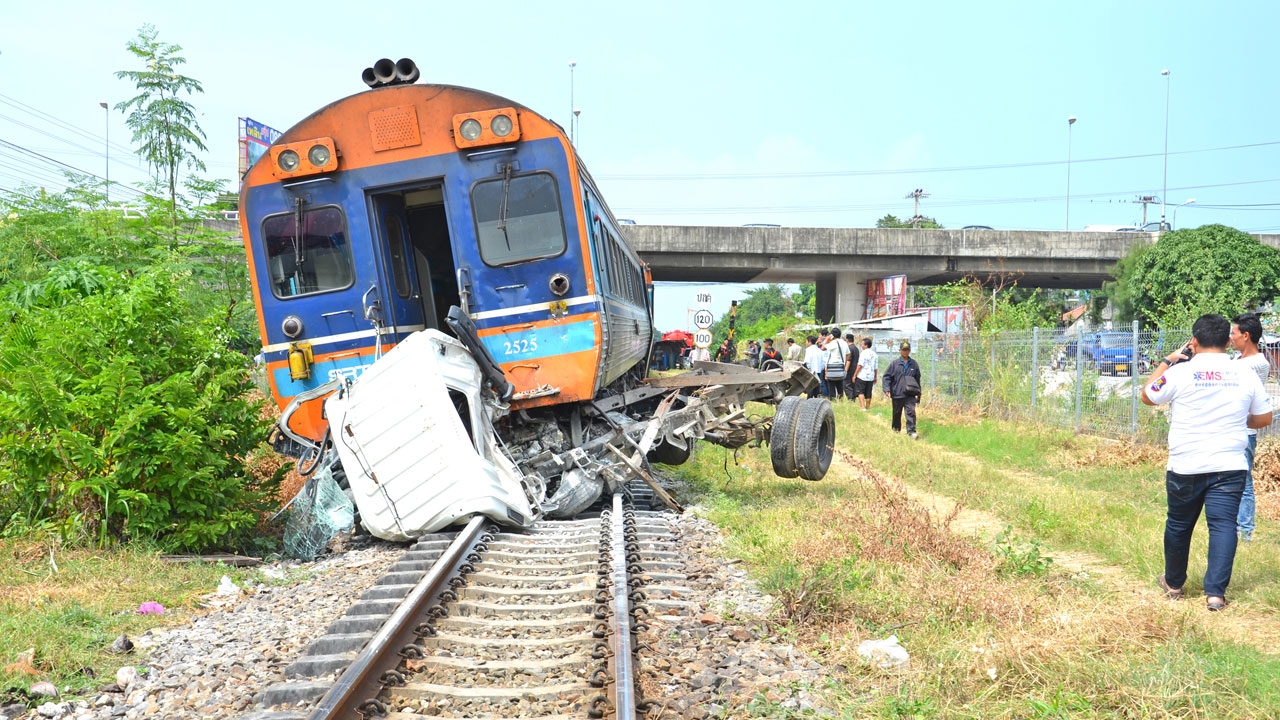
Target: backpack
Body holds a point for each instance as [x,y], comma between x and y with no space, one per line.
[910,385]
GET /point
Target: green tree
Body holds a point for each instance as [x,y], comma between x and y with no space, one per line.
[891,221]
[163,123]
[1210,269]
[758,314]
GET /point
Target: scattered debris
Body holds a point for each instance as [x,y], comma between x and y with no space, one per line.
[122,645]
[227,587]
[224,558]
[151,607]
[126,677]
[886,654]
[43,689]
[24,663]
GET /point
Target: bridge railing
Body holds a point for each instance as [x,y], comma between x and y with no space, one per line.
[1088,384]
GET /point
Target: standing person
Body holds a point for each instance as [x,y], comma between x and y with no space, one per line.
[724,353]
[896,388]
[816,360]
[794,351]
[851,343]
[753,354]
[699,354]
[868,373]
[837,363]
[770,358]
[1214,401]
[1246,333]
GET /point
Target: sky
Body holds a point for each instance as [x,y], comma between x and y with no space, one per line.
[803,114]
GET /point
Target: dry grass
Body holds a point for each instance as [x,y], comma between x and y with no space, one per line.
[1266,479]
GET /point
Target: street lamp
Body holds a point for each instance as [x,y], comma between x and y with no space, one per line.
[1175,212]
[576,113]
[106,146]
[572,64]
[1070,121]
[1164,189]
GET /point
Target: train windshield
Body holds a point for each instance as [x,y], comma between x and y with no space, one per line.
[307,252]
[518,218]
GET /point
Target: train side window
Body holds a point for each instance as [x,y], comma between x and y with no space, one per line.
[395,249]
[309,254]
[518,219]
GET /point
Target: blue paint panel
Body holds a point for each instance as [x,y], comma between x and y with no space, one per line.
[542,342]
[321,373]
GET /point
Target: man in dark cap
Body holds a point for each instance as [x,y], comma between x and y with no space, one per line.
[902,386]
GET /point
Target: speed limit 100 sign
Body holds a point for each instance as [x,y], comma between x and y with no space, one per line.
[702,338]
[703,319]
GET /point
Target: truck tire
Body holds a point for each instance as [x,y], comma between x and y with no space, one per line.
[670,453]
[815,433]
[782,438]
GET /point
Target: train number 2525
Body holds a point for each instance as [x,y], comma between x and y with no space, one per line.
[519,347]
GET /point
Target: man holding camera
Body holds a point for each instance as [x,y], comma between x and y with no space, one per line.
[1213,402]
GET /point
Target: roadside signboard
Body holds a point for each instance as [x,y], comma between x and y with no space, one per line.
[703,319]
[702,338]
[703,298]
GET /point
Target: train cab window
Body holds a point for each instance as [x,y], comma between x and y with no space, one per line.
[518,219]
[307,253]
[395,251]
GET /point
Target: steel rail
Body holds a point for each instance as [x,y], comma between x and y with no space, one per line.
[362,680]
[624,697]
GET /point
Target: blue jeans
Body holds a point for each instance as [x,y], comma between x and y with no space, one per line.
[1218,493]
[1244,519]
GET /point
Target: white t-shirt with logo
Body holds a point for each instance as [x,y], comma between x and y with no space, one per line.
[869,364]
[837,351]
[1259,364]
[1212,398]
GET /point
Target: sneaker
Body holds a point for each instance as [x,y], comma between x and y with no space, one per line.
[913,436]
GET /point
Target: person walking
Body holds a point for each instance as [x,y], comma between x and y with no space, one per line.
[794,351]
[1246,333]
[867,373]
[1213,402]
[902,386]
[816,360]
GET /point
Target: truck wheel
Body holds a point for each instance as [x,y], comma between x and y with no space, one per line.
[815,438]
[782,438]
[671,453]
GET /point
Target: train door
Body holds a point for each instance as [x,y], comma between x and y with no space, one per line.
[401,303]
[432,252]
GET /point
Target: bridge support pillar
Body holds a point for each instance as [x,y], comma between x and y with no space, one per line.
[840,297]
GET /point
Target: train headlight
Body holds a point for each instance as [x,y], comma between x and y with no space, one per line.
[288,161]
[486,127]
[318,155]
[303,158]
[292,326]
[470,130]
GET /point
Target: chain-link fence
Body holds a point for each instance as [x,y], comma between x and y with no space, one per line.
[1089,381]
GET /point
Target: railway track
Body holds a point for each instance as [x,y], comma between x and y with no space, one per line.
[534,624]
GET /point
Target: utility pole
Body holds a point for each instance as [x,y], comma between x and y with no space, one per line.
[917,194]
[1146,200]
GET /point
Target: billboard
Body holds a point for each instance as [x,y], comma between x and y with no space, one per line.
[255,138]
[886,297]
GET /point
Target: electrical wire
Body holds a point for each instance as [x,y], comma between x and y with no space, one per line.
[86,173]
[909,171]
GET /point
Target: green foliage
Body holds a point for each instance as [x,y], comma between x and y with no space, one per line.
[763,313]
[123,415]
[1012,308]
[891,221]
[1210,269]
[1120,291]
[1019,558]
[805,300]
[163,124]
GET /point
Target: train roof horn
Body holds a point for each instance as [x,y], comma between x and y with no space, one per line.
[384,73]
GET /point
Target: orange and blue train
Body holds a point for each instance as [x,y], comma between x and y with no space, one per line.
[374,216]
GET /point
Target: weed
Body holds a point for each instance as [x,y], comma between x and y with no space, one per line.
[1018,557]
[1061,705]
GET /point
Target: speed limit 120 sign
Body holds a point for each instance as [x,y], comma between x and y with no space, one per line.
[703,319]
[702,338]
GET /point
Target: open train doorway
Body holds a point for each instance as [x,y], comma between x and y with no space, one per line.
[418,265]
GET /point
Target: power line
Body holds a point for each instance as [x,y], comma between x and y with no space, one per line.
[66,125]
[62,164]
[908,171]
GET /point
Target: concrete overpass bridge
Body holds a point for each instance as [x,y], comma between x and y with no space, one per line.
[840,260]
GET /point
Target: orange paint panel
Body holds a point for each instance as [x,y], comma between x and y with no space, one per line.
[488,134]
[573,373]
[549,322]
[303,151]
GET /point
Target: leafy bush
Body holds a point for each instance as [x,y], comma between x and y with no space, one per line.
[122,415]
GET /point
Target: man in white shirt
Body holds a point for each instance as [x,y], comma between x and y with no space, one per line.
[794,351]
[816,360]
[867,374]
[837,362]
[1246,332]
[1213,403]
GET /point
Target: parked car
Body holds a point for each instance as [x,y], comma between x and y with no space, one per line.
[1157,226]
[1111,353]
[977,227]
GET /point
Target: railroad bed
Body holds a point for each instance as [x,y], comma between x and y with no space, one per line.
[265,652]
